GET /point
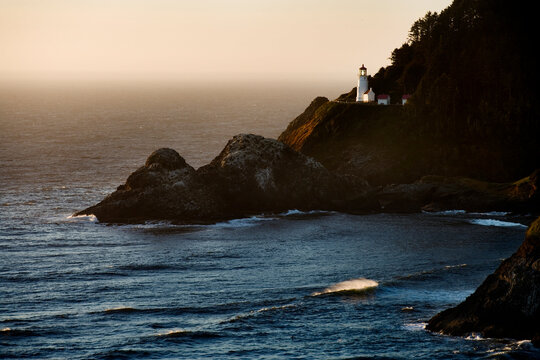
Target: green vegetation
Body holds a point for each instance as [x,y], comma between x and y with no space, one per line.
[471,70]
[473,111]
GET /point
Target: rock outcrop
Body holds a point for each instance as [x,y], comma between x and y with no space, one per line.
[251,175]
[437,193]
[384,145]
[507,304]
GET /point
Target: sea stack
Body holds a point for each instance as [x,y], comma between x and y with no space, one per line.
[251,175]
[507,304]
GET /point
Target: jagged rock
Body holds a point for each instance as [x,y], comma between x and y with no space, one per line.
[507,304]
[252,174]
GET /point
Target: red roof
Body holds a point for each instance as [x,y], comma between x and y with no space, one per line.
[406,96]
[383,96]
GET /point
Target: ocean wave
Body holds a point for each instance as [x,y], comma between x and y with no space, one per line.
[242,222]
[123,310]
[445,212]
[491,213]
[522,349]
[475,337]
[151,267]
[123,354]
[415,326]
[296,212]
[258,219]
[494,222]
[263,310]
[82,218]
[407,308]
[465,212]
[349,286]
[455,266]
[17,332]
[29,332]
[181,310]
[192,334]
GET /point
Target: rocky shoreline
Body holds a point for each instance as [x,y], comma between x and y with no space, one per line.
[254,175]
[507,304]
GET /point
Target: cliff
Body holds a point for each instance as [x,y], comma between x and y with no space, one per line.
[356,139]
[381,144]
[473,110]
[507,304]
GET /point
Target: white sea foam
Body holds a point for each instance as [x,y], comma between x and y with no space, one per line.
[292,212]
[491,213]
[83,218]
[274,308]
[174,332]
[415,326]
[494,222]
[120,309]
[475,336]
[299,212]
[243,222]
[446,212]
[455,266]
[513,346]
[354,285]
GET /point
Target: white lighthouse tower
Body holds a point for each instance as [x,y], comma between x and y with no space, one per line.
[362,84]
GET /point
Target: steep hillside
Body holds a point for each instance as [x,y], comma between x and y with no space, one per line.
[473,110]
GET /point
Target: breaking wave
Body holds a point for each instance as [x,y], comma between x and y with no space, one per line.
[349,286]
[82,218]
[191,334]
[445,212]
[242,222]
[494,222]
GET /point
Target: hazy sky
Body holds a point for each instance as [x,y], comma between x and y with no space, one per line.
[203,39]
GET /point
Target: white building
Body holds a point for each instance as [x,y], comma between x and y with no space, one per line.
[404,99]
[362,92]
[369,96]
[383,99]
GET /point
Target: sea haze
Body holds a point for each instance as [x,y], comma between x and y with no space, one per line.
[318,285]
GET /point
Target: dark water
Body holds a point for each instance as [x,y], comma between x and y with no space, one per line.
[71,288]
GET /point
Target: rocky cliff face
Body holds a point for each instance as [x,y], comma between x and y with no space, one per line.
[507,304]
[357,139]
[388,145]
[251,175]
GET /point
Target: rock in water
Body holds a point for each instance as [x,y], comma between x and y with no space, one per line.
[251,175]
[507,304]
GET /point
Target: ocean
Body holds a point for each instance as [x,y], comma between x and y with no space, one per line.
[295,285]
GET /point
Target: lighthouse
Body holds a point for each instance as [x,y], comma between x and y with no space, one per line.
[362,84]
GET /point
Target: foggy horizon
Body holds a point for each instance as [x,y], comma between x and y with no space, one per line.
[166,41]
